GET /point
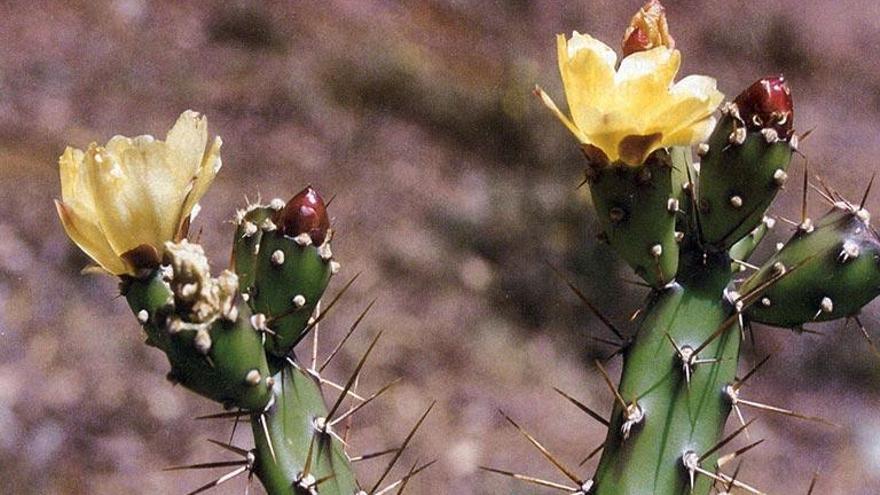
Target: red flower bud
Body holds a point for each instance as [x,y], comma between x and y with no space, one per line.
[305,213]
[647,29]
[766,104]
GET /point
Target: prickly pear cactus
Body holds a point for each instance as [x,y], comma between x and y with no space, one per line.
[230,338]
[688,229]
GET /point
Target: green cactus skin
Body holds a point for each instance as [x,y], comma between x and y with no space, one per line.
[637,211]
[738,181]
[743,249]
[838,272]
[234,371]
[678,417]
[273,270]
[290,421]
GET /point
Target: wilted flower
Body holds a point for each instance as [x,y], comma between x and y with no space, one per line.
[627,113]
[121,202]
[647,29]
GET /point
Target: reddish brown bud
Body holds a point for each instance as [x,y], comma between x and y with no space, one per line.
[305,213]
[766,104]
[647,29]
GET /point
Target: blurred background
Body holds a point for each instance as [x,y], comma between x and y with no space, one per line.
[451,184]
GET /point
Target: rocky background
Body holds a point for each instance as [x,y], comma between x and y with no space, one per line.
[452,184]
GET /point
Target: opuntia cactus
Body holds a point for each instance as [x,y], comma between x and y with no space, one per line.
[230,338]
[686,229]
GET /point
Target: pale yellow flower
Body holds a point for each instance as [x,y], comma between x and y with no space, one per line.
[121,202]
[625,114]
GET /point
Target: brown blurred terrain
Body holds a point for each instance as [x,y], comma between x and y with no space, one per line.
[452,183]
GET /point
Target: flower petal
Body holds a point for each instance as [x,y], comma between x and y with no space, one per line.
[74,188]
[548,102]
[211,164]
[88,236]
[644,79]
[137,203]
[587,69]
[186,142]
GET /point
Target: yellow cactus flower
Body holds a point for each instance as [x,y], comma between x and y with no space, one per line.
[624,115]
[122,201]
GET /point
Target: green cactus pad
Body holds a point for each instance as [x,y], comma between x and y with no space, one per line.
[637,209]
[283,278]
[232,371]
[837,272]
[290,423]
[738,180]
[677,417]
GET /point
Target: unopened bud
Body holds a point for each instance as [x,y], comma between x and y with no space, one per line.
[305,213]
[766,104]
[647,29]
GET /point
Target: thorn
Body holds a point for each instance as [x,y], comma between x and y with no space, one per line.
[865,334]
[733,395]
[354,375]
[558,465]
[739,383]
[317,314]
[219,481]
[348,334]
[824,195]
[402,448]
[813,482]
[592,454]
[727,479]
[806,189]
[745,264]
[265,426]
[611,385]
[372,455]
[232,448]
[234,427]
[592,307]
[583,407]
[307,468]
[867,192]
[530,479]
[224,415]
[405,478]
[207,465]
[729,457]
[725,441]
[369,399]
